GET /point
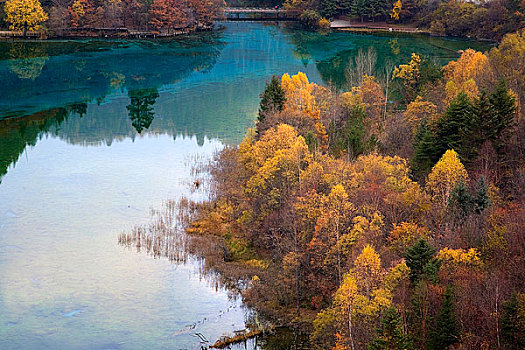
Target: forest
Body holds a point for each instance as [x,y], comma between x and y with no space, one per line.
[489,20]
[66,17]
[482,19]
[389,216]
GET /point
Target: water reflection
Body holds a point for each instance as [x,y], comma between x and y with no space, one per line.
[140,109]
[17,134]
[26,61]
[40,76]
[331,53]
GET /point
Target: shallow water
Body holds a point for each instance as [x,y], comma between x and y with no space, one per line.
[93,134]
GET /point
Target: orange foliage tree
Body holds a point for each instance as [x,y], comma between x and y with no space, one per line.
[168,14]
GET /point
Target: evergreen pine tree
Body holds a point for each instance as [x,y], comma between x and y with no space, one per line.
[461,201]
[512,326]
[140,109]
[503,112]
[425,153]
[454,127]
[328,8]
[390,335]
[481,199]
[419,258]
[359,9]
[272,99]
[344,6]
[446,332]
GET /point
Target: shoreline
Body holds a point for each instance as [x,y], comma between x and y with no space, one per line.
[103,33]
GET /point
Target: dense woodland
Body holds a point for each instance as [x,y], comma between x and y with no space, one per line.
[60,17]
[389,216]
[482,19]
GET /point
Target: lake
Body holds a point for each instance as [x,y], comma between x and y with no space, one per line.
[94,134]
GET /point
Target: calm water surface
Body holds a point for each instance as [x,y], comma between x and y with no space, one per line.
[93,134]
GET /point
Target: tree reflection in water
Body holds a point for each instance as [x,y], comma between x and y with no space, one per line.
[27,61]
[140,109]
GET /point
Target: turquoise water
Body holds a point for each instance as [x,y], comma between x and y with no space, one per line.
[94,134]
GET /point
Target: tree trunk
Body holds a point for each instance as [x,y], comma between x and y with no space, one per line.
[350,335]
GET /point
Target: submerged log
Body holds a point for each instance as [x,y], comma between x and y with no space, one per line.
[239,337]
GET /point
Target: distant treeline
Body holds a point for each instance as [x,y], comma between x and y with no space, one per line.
[59,17]
[490,19]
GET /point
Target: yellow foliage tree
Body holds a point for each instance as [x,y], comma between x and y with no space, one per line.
[508,59]
[365,291]
[396,10]
[367,267]
[336,210]
[445,176]
[384,183]
[26,61]
[406,234]
[301,95]
[298,91]
[24,15]
[419,110]
[276,163]
[470,257]
[409,75]
[471,65]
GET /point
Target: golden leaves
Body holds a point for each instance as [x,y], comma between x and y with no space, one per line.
[445,176]
[470,257]
[24,14]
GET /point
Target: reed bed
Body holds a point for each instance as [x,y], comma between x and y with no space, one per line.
[164,236]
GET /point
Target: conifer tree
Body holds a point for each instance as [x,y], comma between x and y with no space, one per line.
[359,9]
[461,200]
[481,199]
[454,127]
[512,324]
[390,335]
[419,258]
[425,152]
[446,332]
[328,8]
[272,99]
[503,112]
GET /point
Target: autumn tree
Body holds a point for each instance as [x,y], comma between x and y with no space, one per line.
[300,96]
[205,11]
[508,61]
[27,61]
[365,292]
[445,176]
[24,15]
[113,10]
[420,110]
[396,10]
[167,14]
[471,70]
[409,75]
